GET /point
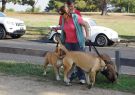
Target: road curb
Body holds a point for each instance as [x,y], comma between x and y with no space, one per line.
[23,51]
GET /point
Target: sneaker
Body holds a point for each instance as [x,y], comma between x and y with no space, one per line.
[82,81]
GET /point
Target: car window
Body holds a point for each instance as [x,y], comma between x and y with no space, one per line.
[1,14]
[92,23]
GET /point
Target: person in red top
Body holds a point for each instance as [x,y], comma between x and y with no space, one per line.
[71,40]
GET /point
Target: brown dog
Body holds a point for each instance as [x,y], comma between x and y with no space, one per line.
[111,71]
[89,63]
[53,59]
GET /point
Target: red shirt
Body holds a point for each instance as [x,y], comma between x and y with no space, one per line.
[70,31]
[69,28]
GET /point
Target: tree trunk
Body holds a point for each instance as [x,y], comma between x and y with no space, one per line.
[3,5]
[104,7]
[104,11]
[33,9]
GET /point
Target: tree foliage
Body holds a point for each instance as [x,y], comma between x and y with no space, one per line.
[96,5]
[21,2]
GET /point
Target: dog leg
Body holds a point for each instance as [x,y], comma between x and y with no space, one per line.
[57,73]
[92,78]
[45,66]
[59,66]
[67,63]
[87,78]
[66,75]
[72,70]
[66,79]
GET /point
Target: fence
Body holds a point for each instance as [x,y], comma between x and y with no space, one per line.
[123,61]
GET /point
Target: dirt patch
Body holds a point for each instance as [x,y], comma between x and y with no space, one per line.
[12,85]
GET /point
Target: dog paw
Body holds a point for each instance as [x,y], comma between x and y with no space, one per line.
[58,79]
[68,84]
[89,86]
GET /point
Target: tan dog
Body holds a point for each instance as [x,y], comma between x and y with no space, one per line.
[89,63]
[53,59]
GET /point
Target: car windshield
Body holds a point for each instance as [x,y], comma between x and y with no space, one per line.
[92,23]
[2,15]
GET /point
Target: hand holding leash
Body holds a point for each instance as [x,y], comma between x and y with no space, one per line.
[87,38]
[54,29]
[88,43]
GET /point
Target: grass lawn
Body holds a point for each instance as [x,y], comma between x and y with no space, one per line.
[125,82]
[124,24]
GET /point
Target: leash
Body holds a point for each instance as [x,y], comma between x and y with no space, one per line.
[89,43]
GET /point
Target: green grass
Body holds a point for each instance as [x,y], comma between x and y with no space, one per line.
[124,27]
[125,82]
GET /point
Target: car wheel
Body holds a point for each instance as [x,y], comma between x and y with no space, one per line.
[101,40]
[15,36]
[2,32]
[55,37]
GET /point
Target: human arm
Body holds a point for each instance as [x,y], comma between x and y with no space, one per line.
[85,26]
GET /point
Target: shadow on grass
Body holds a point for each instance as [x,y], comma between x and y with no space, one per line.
[132,38]
[37,30]
[132,15]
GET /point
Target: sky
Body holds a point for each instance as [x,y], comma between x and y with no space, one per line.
[40,3]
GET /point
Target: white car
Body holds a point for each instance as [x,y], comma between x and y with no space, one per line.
[99,35]
[11,26]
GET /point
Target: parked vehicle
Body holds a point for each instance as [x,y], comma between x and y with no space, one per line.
[99,35]
[112,8]
[11,26]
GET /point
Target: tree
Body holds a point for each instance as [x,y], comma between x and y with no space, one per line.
[81,3]
[22,2]
[104,7]
[96,5]
[3,5]
[128,5]
[55,4]
[29,2]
